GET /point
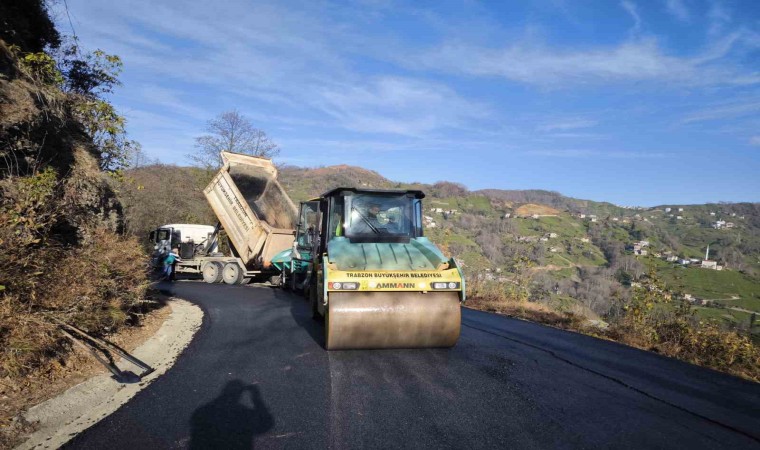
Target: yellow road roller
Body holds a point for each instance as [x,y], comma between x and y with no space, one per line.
[362,259]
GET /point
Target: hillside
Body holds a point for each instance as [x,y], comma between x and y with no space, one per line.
[578,254]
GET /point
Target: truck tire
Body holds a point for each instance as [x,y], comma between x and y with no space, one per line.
[233,273]
[212,272]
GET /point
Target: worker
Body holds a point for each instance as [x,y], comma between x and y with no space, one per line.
[170,263]
[372,212]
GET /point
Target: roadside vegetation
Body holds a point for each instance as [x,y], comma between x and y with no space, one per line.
[63,148]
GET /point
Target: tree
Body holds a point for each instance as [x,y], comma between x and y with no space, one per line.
[231,132]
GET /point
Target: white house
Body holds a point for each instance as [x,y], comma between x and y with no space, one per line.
[709,265]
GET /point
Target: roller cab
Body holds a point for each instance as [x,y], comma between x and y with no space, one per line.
[361,258]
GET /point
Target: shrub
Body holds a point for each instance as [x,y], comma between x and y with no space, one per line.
[97,285]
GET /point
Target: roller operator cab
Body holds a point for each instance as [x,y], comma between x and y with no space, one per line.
[361,257]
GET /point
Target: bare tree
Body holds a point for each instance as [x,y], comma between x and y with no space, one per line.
[231,132]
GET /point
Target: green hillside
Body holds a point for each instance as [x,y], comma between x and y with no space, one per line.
[575,253]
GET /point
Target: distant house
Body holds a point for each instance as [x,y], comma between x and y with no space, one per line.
[507,216]
[695,260]
[709,265]
[667,209]
[585,239]
[593,219]
[684,261]
[733,214]
[553,249]
[680,209]
[615,219]
[729,225]
[544,239]
[671,258]
[679,218]
[719,224]
[437,210]
[553,235]
[712,213]
[581,216]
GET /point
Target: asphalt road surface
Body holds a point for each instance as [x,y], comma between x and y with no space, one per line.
[256,376]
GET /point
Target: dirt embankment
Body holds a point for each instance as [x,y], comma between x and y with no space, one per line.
[63,257]
[530,209]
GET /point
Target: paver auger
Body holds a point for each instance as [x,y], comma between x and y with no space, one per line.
[361,257]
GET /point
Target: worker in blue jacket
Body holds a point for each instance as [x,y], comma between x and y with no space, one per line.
[169,264]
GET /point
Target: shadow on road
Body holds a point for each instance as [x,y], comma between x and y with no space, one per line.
[232,420]
[301,312]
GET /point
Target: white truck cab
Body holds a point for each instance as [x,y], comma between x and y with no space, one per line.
[166,237]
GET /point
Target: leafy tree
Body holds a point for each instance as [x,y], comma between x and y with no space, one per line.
[89,77]
[231,132]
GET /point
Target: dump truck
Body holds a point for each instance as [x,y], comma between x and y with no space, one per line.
[361,258]
[254,211]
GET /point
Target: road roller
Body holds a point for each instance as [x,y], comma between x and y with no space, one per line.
[368,271]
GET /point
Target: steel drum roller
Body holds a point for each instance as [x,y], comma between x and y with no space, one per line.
[376,320]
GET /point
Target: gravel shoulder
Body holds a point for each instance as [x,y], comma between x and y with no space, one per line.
[62,417]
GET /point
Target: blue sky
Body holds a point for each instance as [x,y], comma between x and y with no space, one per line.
[638,102]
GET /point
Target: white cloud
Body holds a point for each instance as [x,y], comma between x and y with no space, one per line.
[398,105]
[633,11]
[718,16]
[723,60]
[721,112]
[567,124]
[599,154]
[678,9]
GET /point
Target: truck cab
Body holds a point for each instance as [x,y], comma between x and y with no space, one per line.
[184,236]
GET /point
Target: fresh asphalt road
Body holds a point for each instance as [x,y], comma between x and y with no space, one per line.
[256,376]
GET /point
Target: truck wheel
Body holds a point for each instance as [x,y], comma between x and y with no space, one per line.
[232,273]
[212,272]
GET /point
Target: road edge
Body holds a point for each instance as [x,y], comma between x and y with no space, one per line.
[63,417]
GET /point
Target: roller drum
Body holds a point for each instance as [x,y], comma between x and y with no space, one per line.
[377,320]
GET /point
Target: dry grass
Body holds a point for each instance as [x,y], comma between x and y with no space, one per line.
[673,332]
[531,208]
[705,344]
[509,299]
[97,284]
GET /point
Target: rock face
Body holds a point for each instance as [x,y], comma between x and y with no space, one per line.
[37,131]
